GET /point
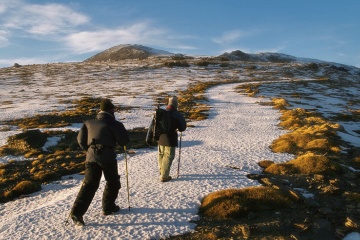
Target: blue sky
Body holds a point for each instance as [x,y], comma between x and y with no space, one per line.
[39,31]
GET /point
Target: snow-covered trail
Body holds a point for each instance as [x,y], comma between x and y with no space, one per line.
[237,133]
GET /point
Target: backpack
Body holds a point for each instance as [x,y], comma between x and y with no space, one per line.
[160,124]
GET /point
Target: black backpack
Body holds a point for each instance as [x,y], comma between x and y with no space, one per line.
[160,124]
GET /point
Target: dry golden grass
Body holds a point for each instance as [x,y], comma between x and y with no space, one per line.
[283,145]
[309,132]
[280,103]
[237,203]
[251,88]
[45,175]
[265,163]
[321,143]
[25,187]
[2,172]
[309,163]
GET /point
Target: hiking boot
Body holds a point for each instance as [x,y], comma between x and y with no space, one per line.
[166,179]
[78,220]
[116,208]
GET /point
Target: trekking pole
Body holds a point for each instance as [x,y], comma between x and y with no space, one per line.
[127,177]
[67,219]
[177,174]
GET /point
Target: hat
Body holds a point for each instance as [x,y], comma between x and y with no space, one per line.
[173,101]
[106,105]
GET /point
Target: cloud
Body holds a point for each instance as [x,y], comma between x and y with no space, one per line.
[4,41]
[137,33]
[231,36]
[63,25]
[45,20]
[21,61]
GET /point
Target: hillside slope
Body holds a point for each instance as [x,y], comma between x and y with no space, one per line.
[127,51]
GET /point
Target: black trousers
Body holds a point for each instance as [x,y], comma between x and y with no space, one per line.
[93,173]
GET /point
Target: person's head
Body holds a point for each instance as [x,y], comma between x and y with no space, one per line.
[173,102]
[106,105]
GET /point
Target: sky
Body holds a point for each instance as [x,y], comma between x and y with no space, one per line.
[41,31]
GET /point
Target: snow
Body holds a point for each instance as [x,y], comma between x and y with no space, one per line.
[237,133]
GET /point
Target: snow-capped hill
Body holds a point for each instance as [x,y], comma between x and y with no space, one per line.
[265,57]
[127,51]
[258,57]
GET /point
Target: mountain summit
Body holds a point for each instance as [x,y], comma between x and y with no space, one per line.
[258,57]
[127,51]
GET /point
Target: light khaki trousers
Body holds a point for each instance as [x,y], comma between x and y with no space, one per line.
[166,157]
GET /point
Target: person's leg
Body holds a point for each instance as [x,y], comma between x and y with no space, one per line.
[169,155]
[161,150]
[112,186]
[91,182]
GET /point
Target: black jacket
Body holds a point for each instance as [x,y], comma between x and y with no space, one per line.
[177,124]
[107,132]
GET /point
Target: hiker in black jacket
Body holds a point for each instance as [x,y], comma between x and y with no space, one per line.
[98,138]
[168,142]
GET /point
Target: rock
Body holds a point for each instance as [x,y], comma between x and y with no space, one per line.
[322,230]
[252,215]
[311,203]
[255,176]
[341,232]
[326,210]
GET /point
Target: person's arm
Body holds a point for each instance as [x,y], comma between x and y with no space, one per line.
[121,135]
[150,132]
[82,137]
[181,121]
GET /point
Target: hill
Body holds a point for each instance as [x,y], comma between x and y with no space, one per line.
[134,51]
[238,55]
[127,51]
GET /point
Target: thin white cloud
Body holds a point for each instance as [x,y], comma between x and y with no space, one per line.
[4,41]
[6,4]
[231,36]
[21,61]
[2,8]
[47,19]
[62,24]
[138,33]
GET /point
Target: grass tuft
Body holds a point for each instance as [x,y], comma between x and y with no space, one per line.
[265,163]
[25,187]
[309,163]
[280,103]
[309,133]
[237,203]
